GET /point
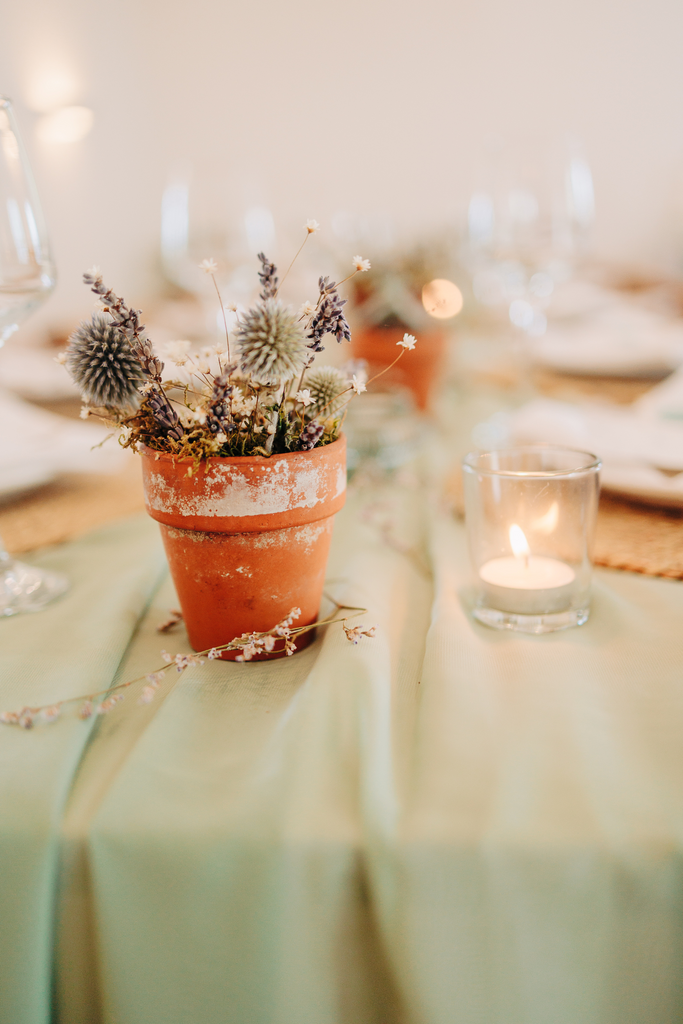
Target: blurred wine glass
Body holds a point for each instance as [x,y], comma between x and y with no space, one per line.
[27,277]
[197,224]
[528,226]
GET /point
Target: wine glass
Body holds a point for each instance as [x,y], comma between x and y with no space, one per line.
[197,222]
[27,277]
[528,226]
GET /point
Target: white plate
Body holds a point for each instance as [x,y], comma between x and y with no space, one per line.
[642,457]
[624,340]
[644,483]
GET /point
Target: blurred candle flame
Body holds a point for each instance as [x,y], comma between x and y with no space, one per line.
[548,521]
[518,542]
[442,299]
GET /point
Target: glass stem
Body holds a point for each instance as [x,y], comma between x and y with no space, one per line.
[5,558]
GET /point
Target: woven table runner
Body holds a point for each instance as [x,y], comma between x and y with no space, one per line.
[637,538]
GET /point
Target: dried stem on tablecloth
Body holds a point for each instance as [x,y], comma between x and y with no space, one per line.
[249,644]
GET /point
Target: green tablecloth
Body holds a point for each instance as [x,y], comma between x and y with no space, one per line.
[443,825]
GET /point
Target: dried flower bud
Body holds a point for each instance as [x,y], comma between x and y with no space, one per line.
[268,278]
[86,709]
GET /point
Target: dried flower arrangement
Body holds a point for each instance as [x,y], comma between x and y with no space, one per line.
[250,645]
[260,397]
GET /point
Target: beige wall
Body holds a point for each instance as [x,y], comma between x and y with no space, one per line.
[313,107]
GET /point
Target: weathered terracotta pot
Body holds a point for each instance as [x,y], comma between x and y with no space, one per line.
[418,369]
[247,539]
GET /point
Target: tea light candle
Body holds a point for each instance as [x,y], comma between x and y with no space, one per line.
[524,583]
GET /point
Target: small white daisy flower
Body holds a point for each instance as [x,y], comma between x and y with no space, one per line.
[407,341]
[312,226]
[146,388]
[360,264]
[358,385]
[177,352]
[208,266]
[305,309]
[231,307]
[85,412]
[61,358]
[304,397]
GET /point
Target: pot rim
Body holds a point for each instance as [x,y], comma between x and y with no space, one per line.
[240,459]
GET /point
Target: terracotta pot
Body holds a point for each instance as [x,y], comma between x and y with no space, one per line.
[418,369]
[247,539]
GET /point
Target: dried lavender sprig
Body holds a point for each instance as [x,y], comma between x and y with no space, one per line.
[329,317]
[165,415]
[219,416]
[310,436]
[268,278]
[127,319]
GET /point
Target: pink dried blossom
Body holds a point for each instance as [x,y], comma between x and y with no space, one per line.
[26,717]
[354,633]
[174,617]
[106,705]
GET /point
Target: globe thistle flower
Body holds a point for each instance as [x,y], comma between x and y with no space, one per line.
[326,385]
[100,359]
[270,343]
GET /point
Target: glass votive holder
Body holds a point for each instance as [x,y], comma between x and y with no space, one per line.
[530,513]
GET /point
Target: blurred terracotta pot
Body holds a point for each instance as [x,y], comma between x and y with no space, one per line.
[418,369]
[246,538]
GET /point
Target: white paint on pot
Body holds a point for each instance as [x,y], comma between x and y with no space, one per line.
[227,490]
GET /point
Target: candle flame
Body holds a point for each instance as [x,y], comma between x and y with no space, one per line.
[518,542]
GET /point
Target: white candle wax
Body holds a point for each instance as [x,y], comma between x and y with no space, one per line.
[531,585]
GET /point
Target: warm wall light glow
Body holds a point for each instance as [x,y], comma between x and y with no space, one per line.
[518,542]
[442,299]
[70,124]
[51,88]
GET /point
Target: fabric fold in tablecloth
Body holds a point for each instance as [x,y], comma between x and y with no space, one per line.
[233,826]
[70,648]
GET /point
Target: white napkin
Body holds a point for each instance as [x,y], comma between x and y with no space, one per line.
[622,339]
[35,446]
[642,452]
[32,372]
